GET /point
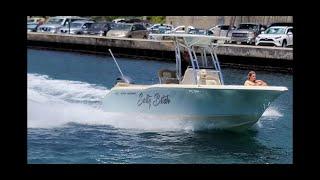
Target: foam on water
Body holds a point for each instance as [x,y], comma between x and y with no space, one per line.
[272,112]
[71,91]
[47,112]
[54,103]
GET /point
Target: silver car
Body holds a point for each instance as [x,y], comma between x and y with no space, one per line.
[34,23]
[160,28]
[128,30]
[54,24]
[222,30]
[76,27]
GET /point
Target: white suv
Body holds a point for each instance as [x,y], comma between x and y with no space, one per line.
[276,36]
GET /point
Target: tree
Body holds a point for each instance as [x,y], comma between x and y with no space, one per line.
[156,19]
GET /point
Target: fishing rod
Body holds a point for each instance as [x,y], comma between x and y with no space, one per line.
[116,63]
[124,78]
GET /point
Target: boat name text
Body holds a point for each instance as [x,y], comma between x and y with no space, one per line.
[154,100]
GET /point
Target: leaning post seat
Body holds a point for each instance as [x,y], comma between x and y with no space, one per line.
[204,77]
[167,76]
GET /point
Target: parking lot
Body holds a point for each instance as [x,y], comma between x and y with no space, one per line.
[274,35]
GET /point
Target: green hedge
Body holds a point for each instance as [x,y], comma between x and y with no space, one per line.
[156,19]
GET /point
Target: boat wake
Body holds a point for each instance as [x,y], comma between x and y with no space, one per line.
[57,103]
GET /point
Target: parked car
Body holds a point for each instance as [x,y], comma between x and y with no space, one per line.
[177,30]
[32,27]
[76,27]
[181,30]
[34,23]
[99,28]
[35,20]
[222,30]
[276,36]
[160,28]
[281,24]
[145,23]
[247,33]
[119,20]
[134,20]
[128,30]
[54,24]
[201,31]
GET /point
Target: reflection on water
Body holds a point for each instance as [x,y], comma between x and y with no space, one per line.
[212,146]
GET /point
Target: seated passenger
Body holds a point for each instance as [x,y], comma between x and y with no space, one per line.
[251,81]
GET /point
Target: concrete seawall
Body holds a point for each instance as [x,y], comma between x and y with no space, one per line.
[103,41]
[156,49]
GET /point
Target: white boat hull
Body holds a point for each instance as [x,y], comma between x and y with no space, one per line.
[225,106]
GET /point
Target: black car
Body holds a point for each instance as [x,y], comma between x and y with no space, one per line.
[99,28]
